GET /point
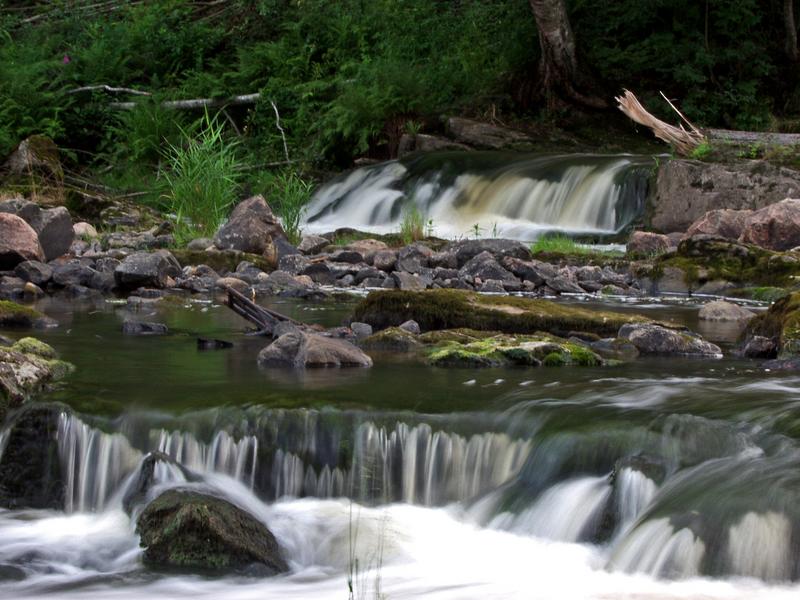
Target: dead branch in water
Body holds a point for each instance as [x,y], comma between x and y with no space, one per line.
[683,140]
[264,318]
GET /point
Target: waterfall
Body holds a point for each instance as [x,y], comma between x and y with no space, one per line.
[94,463]
[658,549]
[760,546]
[514,196]
[634,491]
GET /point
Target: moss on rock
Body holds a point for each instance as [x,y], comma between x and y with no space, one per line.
[17,315]
[29,345]
[454,309]
[780,323]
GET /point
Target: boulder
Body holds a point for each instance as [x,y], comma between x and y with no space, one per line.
[54,227]
[313,244]
[300,350]
[18,242]
[535,271]
[780,325]
[483,266]
[143,270]
[720,310]
[38,273]
[252,228]
[409,281]
[758,346]
[477,134]
[35,162]
[73,272]
[776,227]
[422,142]
[651,338]
[367,248]
[361,330]
[200,244]
[412,258]
[391,339]
[385,260]
[30,467]
[86,230]
[724,223]
[149,474]
[466,250]
[685,190]
[411,327]
[645,242]
[191,530]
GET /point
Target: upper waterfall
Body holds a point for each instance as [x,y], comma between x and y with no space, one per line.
[493,194]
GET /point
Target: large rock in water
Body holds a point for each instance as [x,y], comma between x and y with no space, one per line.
[650,338]
[30,469]
[18,242]
[776,227]
[300,350]
[720,310]
[688,189]
[780,325]
[52,225]
[253,228]
[191,530]
[143,270]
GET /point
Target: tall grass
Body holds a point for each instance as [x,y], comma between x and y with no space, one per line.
[412,227]
[557,244]
[288,196]
[202,180]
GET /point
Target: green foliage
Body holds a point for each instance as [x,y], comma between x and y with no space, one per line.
[202,178]
[703,151]
[557,244]
[412,227]
[288,195]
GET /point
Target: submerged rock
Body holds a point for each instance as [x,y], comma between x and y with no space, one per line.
[720,310]
[132,327]
[195,531]
[30,469]
[651,338]
[298,349]
[453,309]
[18,316]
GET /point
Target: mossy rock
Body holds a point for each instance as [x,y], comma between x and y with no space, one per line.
[223,261]
[188,530]
[706,259]
[461,336]
[29,345]
[15,315]
[505,350]
[455,309]
[391,339]
[780,323]
[760,294]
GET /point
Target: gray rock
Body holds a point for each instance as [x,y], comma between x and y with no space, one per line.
[131,327]
[564,285]
[72,273]
[715,287]
[650,338]
[535,271]
[142,269]
[320,273]
[410,326]
[758,346]
[409,281]
[54,227]
[492,286]
[720,310]
[369,273]
[483,266]
[422,142]
[313,244]
[200,244]
[252,227]
[446,259]
[34,271]
[385,260]
[672,281]
[294,263]
[361,330]
[411,258]
[687,189]
[302,350]
[466,250]
[347,256]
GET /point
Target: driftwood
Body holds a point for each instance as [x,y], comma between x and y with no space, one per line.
[263,318]
[196,102]
[683,140]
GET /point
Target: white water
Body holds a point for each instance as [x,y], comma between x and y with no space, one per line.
[520,199]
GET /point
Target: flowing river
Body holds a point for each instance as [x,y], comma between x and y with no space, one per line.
[660,479]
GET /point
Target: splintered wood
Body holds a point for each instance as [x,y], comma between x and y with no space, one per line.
[682,139]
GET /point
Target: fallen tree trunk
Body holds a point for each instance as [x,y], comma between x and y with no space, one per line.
[263,318]
[754,137]
[194,103]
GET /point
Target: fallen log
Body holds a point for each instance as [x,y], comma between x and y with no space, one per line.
[263,318]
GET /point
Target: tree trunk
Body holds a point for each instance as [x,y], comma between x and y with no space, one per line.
[559,75]
[791,30]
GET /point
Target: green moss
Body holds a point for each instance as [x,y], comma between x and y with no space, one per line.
[554,359]
[221,262]
[29,345]
[760,294]
[392,339]
[16,315]
[782,323]
[454,309]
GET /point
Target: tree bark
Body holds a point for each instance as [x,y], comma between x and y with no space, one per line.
[791,30]
[559,75]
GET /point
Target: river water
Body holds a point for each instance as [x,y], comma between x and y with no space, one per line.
[659,479]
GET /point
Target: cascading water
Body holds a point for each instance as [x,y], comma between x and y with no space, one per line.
[514,196]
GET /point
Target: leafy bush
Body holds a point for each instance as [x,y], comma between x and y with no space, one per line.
[202,178]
